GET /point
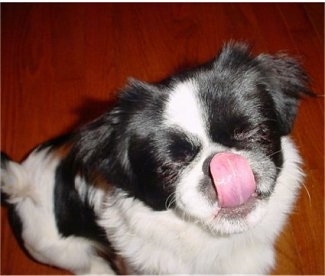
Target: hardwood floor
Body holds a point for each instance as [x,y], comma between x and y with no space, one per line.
[63,63]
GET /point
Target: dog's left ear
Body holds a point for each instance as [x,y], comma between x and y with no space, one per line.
[287,82]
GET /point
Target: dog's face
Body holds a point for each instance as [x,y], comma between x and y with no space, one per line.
[205,143]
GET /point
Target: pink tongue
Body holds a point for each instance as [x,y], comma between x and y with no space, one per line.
[233,179]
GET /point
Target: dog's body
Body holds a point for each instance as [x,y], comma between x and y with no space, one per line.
[142,181]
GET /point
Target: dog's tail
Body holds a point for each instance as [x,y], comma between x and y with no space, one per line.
[15,184]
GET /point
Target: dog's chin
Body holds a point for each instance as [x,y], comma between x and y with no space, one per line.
[230,220]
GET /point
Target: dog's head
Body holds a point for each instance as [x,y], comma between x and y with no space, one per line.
[205,143]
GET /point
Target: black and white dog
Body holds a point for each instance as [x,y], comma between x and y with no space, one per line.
[195,174]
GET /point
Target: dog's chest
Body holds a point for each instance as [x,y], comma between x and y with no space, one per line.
[160,242]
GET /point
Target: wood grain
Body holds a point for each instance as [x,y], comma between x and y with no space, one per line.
[62,64]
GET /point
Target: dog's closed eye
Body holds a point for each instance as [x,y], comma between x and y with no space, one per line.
[182,149]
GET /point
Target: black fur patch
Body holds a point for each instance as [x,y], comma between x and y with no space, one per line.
[4,160]
[73,216]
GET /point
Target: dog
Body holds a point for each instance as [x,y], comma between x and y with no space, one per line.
[193,174]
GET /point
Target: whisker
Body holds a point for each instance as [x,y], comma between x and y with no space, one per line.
[274,153]
[170,200]
[308,194]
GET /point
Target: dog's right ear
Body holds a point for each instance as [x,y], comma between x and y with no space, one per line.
[96,138]
[101,146]
[136,94]
[286,81]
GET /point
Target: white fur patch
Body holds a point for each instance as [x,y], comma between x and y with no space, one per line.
[93,195]
[183,109]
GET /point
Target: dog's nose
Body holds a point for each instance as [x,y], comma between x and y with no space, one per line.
[206,165]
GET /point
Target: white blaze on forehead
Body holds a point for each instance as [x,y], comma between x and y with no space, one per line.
[183,109]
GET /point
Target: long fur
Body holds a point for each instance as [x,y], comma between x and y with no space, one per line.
[132,192]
